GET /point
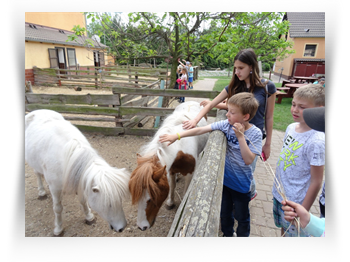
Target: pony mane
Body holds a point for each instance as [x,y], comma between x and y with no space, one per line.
[85,169]
[153,153]
[141,178]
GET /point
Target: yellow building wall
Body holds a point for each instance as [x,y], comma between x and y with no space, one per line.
[61,20]
[37,54]
[299,47]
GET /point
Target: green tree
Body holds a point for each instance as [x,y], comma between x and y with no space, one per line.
[173,35]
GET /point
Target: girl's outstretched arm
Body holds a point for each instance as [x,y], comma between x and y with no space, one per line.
[193,122]
[192,132]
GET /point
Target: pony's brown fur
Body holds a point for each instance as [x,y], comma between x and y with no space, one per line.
[147,175]
[183,163]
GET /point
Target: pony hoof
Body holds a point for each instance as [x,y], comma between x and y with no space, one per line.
[42,197]
[169,207]
[59,235]
[90,222]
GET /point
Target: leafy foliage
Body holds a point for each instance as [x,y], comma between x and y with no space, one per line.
[168,37]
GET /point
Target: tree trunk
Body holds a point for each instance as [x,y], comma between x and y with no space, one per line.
[174,63]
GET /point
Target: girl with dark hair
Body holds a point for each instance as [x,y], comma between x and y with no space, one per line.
[246,79]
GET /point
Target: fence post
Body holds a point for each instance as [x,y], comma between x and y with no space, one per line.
[160,102]
[199,212]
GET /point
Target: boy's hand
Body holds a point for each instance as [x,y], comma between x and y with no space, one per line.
[238,128]
[168,138]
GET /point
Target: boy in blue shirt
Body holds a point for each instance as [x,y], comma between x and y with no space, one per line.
[243,144]
[190,76]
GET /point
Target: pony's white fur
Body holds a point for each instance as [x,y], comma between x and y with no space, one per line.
[59,151]
[167,154]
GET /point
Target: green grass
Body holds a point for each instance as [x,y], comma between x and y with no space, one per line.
[281,115]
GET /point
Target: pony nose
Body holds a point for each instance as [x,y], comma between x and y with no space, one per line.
[120,230]
[143,228]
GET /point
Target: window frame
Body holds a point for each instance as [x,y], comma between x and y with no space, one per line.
[75,58]
[316,48]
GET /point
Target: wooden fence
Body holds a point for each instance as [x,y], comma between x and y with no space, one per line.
[98,77]
[127,106]
[199,212]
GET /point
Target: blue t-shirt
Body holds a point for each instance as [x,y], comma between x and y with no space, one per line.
[259,93]
[190,72]
[238,176]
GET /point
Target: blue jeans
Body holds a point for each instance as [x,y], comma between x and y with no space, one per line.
[252,185]
[240,202]
[182,99]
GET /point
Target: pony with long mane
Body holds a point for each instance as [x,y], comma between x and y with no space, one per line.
[154,178]
[57,150]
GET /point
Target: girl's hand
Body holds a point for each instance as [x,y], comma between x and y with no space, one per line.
[204,103]
[189,124]
[168,138]
[293,210]
[266,149]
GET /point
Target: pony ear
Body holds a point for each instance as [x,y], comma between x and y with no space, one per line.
[158,174]
[138,155]
[95,189]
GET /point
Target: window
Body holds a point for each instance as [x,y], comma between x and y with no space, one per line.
[53,56]
[310,50]
[72,61]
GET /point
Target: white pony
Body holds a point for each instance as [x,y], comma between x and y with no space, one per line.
[157,165]
[57,150]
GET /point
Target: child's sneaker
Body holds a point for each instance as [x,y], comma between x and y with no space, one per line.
[256,193]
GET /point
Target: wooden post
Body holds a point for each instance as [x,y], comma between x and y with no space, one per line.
[136,78]
[160,102]
[29,88]
[199,212]
[96,78]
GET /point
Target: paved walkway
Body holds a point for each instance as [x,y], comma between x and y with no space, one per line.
[262,223]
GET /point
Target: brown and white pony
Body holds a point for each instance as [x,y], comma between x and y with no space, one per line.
[153,180]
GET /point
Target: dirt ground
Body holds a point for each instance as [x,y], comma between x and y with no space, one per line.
[118,151]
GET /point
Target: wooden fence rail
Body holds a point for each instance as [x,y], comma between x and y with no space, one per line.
[126,107]
[199,212]
[98,77]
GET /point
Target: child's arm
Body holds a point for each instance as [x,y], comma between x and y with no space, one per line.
[218,106]
[247,155]
[181,63]
[315,186]
[192,132]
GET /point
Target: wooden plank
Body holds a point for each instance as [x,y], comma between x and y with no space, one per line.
[90,110]
[87,110]
[145,111]
[199,211]
[89,99]
[100,119]
[107,131]
[114,131]
[166,92]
